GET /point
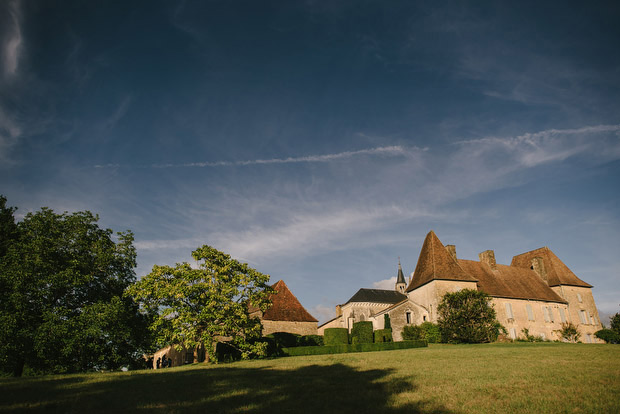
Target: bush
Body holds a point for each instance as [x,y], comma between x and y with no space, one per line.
[284,339]
[387,324]
[336,336]
[467,316]
[383,335]
[609,336]
[225,352]
[569,332]
[342,349]
[431,332]
[310,340]
[362,333]
[412,333]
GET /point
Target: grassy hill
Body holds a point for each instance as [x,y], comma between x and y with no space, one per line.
[519,377]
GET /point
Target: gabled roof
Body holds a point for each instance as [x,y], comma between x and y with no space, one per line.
[557,272]
[510,281]
[286,307]
[377,296]
[435,263]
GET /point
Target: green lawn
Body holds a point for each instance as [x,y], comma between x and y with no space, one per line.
[503,378]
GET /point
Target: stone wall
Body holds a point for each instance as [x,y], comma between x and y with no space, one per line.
[582,309]
[300,328]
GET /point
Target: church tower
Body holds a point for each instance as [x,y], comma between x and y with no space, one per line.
[401,285]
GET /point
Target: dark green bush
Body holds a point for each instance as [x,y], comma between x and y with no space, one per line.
[336,336]
[467,316]
[383,335]
[412,333]
[362,333]
[387,324]
[225,352]
[430,332]
[609,336]
[284,339]
[310,340]
[342,349]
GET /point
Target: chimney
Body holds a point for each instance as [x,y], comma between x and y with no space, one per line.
[539,267]
[452,250]
[488,257]
[338,310]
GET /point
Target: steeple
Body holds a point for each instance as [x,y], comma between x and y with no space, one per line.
[401,285]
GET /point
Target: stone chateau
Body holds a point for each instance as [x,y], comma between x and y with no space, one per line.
[537,292]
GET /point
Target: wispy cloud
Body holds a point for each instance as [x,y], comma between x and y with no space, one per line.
[10,132]
[389,151]
[387,284]
[12,45]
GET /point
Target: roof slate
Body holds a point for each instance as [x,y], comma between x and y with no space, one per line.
[286,307]
[436,263]
[557,272]
[377,296]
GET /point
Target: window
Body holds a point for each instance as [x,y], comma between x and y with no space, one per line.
[530,312]
[424,318]
[513,333]
[579,297]
[582,317]
[592,320]
[408,316]
[550,314]
[546,314]
[562,315]
[588,338]
[509,314]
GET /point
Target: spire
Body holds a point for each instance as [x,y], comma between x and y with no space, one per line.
[401,284]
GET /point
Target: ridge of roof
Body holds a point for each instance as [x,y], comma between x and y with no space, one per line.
[285,306]
[436,263]
[377,296]
[557,272]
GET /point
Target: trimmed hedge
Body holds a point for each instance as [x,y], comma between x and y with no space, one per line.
[284,339]
[310,340]
[336,336]
[362,333]
[383,335]
[343,349]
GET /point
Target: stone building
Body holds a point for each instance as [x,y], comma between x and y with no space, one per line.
[537,292]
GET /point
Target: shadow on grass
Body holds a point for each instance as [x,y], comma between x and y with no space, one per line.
[324,389]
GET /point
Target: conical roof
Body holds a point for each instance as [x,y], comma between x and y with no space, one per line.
[436,263]
[400,278]
[286,307]
[557,272]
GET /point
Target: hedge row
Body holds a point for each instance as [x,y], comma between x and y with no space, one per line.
[361,333]
[343,349]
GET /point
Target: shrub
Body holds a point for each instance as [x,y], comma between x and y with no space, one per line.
[336,336]
[362,333]
[569,332]
[225,352]
[431,332]
[341,349]
[310,340]
[383,335]
[609,336]
[284,339]
[412,333]
[467,316]
[387,324]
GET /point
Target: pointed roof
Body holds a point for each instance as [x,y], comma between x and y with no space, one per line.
[557,272]
[286,307]
[377,296]
[400,278]
[436,263]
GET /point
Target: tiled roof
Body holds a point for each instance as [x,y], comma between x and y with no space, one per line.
[510,281]
[377,296]
[557,272]
[436,263]
[286,307]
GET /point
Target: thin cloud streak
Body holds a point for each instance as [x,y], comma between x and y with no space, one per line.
[13,44]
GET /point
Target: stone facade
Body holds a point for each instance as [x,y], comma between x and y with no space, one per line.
[537,293]
[299,328]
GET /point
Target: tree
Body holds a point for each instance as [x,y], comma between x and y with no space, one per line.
[569,332]
[614,324]
[467,316]
[62,302]
[199,306]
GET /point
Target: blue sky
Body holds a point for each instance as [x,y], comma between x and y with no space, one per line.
[321,141]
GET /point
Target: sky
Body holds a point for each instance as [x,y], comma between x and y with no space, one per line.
[320,141]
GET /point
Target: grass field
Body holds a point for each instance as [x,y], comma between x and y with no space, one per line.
[503,378]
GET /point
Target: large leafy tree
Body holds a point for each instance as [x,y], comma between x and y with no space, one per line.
[198,306]
[467,316]
[62,302]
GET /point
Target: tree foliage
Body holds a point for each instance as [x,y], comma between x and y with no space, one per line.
[467,316]
[199,306]
[62,303]
[614,324]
